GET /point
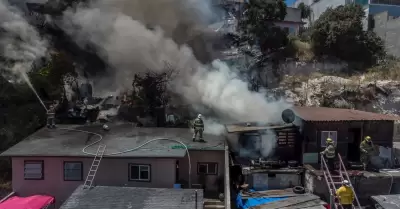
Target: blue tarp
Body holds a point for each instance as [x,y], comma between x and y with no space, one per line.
[251,202]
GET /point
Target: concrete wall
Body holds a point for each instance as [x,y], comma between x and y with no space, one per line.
[112,172]
[388,29]
[263,181]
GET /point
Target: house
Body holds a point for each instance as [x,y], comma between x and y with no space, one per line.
[371,7]
[387,28]
[292,22]
[345,126]
[108,197]
[56,161]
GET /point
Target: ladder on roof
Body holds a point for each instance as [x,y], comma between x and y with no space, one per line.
[94,167]
[334,182]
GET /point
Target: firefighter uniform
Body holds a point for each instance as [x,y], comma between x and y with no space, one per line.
[329,154]
[346,195]
[366,150]
[198,127]
[51,115]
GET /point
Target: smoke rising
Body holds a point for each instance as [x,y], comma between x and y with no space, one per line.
[20,43]
[129,47]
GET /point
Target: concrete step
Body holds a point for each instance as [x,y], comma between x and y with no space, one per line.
[213,202]
[214,206]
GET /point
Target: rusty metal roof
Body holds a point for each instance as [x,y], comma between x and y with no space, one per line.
[232,128]
[337,114]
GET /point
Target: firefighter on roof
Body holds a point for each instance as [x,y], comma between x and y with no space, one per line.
[198,127]
[366,151]
[329,154]
[51,114]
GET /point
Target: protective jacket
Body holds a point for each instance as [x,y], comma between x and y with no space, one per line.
[330,151]
[366,148]
[198,124]
[345,194]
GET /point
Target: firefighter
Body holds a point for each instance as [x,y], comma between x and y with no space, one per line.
[329,154]
[366,150]
[346,195]
[51,114]
[198,127]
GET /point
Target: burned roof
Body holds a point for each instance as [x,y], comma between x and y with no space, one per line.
[105,197]
[122,140]
[337,114]
[232,128]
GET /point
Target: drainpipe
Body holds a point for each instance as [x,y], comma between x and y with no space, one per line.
[195,198]
[227,189]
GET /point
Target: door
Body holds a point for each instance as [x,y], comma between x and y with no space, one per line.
[354,140]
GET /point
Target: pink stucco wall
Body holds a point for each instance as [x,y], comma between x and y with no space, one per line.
[112,172]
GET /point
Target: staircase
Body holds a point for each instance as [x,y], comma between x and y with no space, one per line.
[335,181]
[213,204]
[94,167]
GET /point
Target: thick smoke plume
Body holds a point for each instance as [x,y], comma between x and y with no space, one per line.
[122,38]
[20,43]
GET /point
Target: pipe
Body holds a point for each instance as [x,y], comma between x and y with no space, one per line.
[195,198]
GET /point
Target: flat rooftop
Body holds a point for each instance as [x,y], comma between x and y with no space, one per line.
[105,197]
[70,140]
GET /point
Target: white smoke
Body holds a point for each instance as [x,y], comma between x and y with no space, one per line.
[129,47]
[19,41]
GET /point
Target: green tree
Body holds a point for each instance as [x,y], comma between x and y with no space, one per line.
[339,33]
[305,10]
[257,24]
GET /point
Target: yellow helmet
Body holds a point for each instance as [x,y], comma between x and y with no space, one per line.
[367,138]
[329,140]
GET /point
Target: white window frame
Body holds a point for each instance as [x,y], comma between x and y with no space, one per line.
[66,169]
[31,173]
[207,165]
[140,166]
[330,134]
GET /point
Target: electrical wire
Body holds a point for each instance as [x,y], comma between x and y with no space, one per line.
[129,150]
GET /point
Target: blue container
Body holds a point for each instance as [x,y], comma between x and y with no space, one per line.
[177,186]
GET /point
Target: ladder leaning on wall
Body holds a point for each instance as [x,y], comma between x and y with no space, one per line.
[94,167]
[334,182]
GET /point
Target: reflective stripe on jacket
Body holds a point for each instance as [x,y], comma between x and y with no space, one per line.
[330,151]
[198,123]
[346,195]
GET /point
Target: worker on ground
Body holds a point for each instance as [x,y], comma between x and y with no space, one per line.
[366,151]
[198,127]
[51,115]
[329,154]
[346,195]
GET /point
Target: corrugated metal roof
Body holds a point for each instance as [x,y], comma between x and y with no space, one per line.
[387,201]
[337,114]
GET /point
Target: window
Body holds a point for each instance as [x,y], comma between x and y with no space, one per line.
[207,168]
[73,171]
[33,170]
[328,134]
[139,172]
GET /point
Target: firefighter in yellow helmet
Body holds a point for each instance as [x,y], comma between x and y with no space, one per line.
[346,195]
[366,150]
[329,154]
[198,127]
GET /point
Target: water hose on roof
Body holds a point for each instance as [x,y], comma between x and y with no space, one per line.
[129,150]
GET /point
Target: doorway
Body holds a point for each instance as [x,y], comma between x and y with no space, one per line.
[177,171]
[353,152]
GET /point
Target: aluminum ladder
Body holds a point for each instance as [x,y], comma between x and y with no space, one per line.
[94,167]
[334,182]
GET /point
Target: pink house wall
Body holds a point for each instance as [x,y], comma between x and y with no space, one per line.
[112,172]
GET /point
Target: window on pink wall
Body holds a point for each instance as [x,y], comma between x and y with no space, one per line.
[33,170]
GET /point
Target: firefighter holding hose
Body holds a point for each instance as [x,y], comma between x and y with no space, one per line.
[51,115]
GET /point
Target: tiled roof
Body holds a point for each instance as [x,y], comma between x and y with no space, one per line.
[337,114]
[65,141]
[103,197]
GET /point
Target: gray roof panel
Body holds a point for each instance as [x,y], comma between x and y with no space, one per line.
[66,140]
[104,197]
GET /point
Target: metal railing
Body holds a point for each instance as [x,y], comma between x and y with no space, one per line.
[341,166]
[327,174]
